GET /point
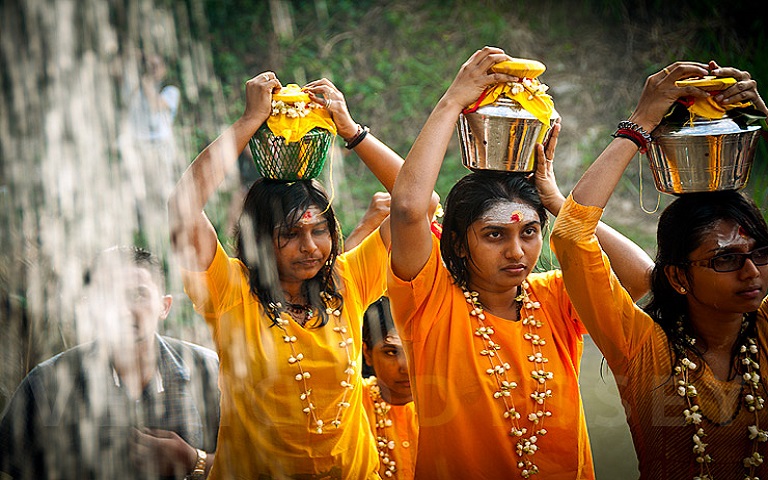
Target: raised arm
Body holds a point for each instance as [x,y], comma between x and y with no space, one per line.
[596,186]
[411,207]
[659,93]
[377,212]
[193,237]
[381,160]
[630,262]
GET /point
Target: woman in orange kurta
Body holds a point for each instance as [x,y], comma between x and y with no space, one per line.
[493,349]
[285,314]
[688,364]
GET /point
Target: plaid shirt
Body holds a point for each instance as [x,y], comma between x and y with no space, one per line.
[70,418]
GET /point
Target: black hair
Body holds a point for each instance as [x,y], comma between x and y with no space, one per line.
[377,324]
[470,198]
[272,206]
[683,225]
[127,255]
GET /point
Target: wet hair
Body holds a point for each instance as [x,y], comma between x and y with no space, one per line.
[377,324]
[469,199]
[127,255]
[682,228]
[273,206]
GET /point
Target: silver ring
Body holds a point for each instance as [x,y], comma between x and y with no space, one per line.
[549,160]
[266,76]
[328,103]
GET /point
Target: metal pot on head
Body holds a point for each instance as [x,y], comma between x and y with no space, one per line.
[702,155]
[500,136]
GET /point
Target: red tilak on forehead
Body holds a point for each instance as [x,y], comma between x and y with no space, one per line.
[307,215]
[516,216]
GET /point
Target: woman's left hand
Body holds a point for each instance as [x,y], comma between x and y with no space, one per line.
[545,172]
[744,90]
[325,93]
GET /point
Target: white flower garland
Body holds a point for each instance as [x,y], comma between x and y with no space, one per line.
[383,444]
[752,400]
[303,375]
[534,87]
[292,109]
[526,446]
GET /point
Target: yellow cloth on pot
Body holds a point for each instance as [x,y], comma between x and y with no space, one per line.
[293,129]
[708,108]
[540,105]
[532,98]
[292,117]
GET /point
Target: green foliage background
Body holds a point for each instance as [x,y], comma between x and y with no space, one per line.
[393,59]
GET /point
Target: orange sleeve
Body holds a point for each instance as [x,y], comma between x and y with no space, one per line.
[616,324]
[218,289]
[413,298]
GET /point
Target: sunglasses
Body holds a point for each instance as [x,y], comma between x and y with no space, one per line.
[730,262]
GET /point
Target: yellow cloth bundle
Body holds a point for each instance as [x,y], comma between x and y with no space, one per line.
[707,107]
[294,115]
[529,92]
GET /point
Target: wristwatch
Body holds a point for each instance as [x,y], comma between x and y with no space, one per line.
[198,473]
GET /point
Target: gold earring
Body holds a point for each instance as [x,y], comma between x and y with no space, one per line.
[682,290]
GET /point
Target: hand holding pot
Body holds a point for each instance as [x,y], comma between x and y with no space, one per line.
[660,92]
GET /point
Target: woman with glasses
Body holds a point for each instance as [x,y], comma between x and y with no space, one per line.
[688,363]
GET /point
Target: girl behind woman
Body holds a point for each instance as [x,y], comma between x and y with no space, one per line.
[387,395]
[688,364]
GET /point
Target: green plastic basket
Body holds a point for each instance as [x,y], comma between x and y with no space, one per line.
[301,160]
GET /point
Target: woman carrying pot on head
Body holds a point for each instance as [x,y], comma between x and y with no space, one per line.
[286,310]
[493,349]
[687,364]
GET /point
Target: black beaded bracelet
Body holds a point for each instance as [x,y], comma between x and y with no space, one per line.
[628,137]
[362,132]
[636,128]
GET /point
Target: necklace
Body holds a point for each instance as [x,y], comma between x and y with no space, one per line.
[302,376]
[526,445]
[751,399]
[301,313]
[384,445]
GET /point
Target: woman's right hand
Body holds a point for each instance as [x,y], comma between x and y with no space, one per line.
[660,92]
[475,76]
[544,175]
[324,92]
[744,90]
[258,96]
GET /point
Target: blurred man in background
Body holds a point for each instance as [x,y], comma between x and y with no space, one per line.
[131,404]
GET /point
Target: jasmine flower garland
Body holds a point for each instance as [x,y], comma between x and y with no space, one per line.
[296,357]
[526,445]
[751,397]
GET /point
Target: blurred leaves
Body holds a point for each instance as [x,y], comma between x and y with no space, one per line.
[393,59]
